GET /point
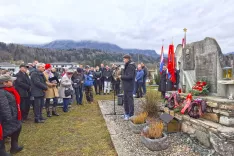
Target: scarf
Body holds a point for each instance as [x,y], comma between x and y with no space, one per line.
[1,132]
[13,91]
[50,74]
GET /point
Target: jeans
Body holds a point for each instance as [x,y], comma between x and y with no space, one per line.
[79,94]
[135,88]
[139,89]
[66,101]
[98,86]
[107,87]
[38,106]
[144,86]
[128,103]
[25,107]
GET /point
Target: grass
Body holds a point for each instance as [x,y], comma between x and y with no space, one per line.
[80,132]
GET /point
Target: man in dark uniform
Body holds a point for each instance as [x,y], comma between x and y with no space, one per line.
[128,78]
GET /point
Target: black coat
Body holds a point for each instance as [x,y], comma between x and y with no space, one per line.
[8,113]
[97,75]
[38,82]
[23,84]
[145,73]
[128,76]
[163,82]
[107,75]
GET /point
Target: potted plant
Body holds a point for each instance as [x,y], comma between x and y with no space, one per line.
[153,137]
[137,123]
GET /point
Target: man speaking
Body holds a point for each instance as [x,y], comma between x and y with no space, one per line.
[128,79]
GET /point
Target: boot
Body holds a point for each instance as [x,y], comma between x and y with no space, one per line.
[54,112]
[39,121]
[15,148]
[48,112]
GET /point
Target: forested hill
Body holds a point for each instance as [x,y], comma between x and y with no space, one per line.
[107,47]
[15,52]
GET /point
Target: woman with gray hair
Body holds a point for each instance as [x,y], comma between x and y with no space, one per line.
[66,89]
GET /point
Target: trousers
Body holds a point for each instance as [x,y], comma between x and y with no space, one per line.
[25,107]
[128,103]
[107,87]
[38,106]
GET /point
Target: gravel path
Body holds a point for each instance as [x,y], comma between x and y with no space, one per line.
[128,144]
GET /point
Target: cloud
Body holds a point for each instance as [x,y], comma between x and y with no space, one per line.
[129,24]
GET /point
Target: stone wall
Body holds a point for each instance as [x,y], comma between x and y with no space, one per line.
[215,129]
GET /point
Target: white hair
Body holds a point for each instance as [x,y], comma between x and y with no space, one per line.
[40,65]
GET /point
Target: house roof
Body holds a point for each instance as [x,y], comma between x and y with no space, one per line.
[7,64]
[64,63]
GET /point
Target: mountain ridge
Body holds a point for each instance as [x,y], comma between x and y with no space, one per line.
[103,46]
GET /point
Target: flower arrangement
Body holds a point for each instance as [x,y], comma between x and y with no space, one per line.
[200,88]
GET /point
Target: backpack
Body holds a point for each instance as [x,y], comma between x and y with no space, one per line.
[88,81]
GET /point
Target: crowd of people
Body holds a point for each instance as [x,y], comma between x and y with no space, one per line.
[39,85]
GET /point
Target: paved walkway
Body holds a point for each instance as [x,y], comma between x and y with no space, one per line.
[128,144]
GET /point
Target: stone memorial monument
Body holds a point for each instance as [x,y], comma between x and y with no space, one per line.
[204,60]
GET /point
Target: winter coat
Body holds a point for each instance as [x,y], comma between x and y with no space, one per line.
[23,84]
[145,70]
[38,83]
[52,91]
[98,75]
[107,75]
[77,79]
[8,112]
[163,82]
[139,76]
[128,76]
[65,83]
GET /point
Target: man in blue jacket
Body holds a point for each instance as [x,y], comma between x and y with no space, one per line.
[139,81]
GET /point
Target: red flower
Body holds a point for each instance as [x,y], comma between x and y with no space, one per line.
[200,88]
[198,83]
[204,83]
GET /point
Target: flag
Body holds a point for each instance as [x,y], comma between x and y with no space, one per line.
[183,43]
[161,61]
[171,64]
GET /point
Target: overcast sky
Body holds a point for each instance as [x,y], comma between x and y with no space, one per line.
[127,23]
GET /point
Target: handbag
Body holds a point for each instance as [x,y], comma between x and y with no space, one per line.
[68,92]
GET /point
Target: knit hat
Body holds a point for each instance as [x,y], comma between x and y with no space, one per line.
[127,56]
[47,66]
[87,67]
[6,77]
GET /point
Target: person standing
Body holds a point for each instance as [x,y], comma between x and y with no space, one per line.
[23,86]
[139,81]
[52,91]
[11,114]
[97,79]
[107,80]
[38,82]
[163,82]
[88,84]
[78,80]
[128,79]
[116,74]
[145,70]
[66,89]
[102,69]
